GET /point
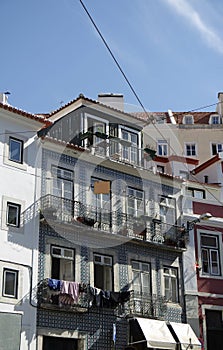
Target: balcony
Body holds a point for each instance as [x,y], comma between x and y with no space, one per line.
[126,303]
[75,215]
[53,298]
[150,306]
[123,151]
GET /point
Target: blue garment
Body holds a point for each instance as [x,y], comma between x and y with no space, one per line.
[54,284]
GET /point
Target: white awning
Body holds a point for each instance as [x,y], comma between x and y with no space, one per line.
[157,334]
[186,336]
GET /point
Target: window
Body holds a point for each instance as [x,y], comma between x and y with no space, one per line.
[196,193]
[13,214]
[162,148]
[215,119]
[10,283]
[63,188]
[190,149]
[216,148]
[188,119]
[101,203]
[160,168]
[129,144]
[184,174]
[170,275]
[135,202]
[210,255]
[167,210]
[141,278]
[62,263]
[103,272]
[15,150]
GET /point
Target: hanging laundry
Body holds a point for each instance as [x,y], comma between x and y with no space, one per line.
[70,288]
[54,284]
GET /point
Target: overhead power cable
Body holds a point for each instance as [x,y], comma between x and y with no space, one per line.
[113,56]
[137,97]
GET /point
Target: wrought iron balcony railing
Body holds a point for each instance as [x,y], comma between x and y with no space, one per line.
[146,305]
[65,211]
[51,297]
[123,151]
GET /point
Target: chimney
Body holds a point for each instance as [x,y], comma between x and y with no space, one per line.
[4,98]
[112,100]
[219,107]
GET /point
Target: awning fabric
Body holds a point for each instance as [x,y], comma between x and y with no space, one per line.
[186,336]
[157,334]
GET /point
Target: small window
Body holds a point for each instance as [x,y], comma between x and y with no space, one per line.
[190,149]
[184,174]
[215,119]
[13,214]
[196,193]
[162,148]
[216,148]
[171,284]
[188,119]
[15,150]
[160,168]
[103,271]
[10,283]
[62,263]
[210,255]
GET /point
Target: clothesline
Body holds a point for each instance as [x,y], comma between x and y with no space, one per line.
[68,292]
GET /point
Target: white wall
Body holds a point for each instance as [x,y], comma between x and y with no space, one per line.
[19,246]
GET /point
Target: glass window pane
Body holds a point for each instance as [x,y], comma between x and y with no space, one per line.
[145,267]
[13,213]
[56,251]
[15,150]
[209,241]
[135,265]
[10,281]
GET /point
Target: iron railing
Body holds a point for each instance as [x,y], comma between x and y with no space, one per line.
[71,212]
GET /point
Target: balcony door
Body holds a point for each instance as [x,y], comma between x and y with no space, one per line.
[101,204]
[63,190]
[129,150]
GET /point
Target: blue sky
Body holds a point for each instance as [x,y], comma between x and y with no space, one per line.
[170,50]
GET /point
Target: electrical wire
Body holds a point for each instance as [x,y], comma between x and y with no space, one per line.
[136,95]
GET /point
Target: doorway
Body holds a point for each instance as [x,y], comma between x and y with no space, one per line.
[57,343]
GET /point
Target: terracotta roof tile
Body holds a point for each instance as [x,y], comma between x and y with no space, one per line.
[15,110]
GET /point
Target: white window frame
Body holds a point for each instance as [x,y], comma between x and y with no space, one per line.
[141,272]
[210,233]
[109,264]
[218,146]
[188,119]
[4,224]
[6,159]
[215,119]
[167,204]
[18,214]
[210,250]
[63,256]
[20,143]
[190,144]
[15,273]
[162,148]
[170,276]
[137,211]
[130,152]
